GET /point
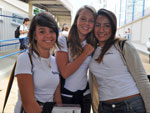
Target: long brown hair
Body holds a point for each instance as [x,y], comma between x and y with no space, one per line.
[74,42]
[113,21]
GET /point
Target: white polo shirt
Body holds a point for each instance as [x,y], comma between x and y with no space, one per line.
[45,76]
[78,80]
[112,75]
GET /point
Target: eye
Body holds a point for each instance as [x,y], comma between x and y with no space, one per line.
[97,25]
[83,19]
[51,31]
[107,25]
[42,31]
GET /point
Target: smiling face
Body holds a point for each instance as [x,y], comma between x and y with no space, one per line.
[103,30]
[85,23]
[45,37]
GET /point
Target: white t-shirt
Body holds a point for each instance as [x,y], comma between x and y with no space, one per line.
[23,28]
[112,75]
[78,80]
[64,33]
[45,76]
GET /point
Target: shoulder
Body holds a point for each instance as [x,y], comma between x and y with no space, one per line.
[21,27]
[23,64]
[129,46]
[63,44]
[23,56]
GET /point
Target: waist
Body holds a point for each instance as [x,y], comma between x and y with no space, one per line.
[121,99]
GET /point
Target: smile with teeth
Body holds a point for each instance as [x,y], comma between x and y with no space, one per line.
[85,28]
[101,35]
[48,41]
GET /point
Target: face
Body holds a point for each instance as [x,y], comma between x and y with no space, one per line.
[103,29]
[27,23]
[85,23]
[45,37]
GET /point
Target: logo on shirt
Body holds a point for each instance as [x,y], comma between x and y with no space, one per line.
[55,72]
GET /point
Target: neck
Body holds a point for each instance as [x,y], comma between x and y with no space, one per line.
[101,44]
[82,37]
[44,53]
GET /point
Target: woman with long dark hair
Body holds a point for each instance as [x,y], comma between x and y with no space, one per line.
[122,83]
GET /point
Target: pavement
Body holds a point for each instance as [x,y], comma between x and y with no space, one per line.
[7,64]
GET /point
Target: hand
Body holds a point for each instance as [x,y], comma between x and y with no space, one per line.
[88,49]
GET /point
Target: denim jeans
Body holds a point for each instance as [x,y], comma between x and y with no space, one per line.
[132,105]
[84,102]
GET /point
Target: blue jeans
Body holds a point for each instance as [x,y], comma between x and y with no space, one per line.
[132,105]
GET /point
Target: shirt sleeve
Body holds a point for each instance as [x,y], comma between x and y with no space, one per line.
[23,65]
[63,44]
[21,28]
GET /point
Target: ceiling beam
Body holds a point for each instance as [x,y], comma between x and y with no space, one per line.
[57,9]
[44,2]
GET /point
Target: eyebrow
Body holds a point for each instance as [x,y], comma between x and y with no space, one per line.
[41,28]
[103,23]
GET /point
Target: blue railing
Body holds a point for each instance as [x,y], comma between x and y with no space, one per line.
[2,45]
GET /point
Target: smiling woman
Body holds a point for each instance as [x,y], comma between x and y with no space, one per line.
[122,84]
[73,59]
[38,81]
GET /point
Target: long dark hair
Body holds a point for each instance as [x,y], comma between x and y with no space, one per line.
[73,38]
[41,19]
[113,21]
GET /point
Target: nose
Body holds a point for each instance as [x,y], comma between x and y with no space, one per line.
[102,29]
[87,22]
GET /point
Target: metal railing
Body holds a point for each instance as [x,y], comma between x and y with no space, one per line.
[9,44]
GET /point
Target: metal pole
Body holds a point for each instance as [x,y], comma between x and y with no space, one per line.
[133,10]
[125,13]
[120,13]
[143,8]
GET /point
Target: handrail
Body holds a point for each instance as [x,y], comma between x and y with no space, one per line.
[12,39]
[11,44]
[12,54]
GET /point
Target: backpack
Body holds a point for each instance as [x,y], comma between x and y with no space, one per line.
[17,33]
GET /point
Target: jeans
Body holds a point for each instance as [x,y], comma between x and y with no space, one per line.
[23,43]
[132,105]
[84,102]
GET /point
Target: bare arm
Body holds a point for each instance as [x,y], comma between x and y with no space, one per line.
[23,32]
[26,89]
[57,96]
[67,68]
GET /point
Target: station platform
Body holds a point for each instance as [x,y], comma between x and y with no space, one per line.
[7,64]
